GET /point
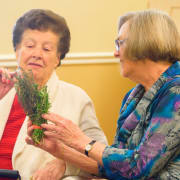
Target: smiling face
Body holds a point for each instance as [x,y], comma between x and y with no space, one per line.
[37,52]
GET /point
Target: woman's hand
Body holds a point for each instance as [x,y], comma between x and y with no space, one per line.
[50,144]
[66,141]
[59,135]
[7,80]
[54,170]
[65,131]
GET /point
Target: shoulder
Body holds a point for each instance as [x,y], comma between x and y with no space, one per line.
[55,84]
[172,86]
[72,90]
[168,96]
[71,87]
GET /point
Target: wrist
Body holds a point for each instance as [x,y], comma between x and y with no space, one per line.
[81,144]
[89,147]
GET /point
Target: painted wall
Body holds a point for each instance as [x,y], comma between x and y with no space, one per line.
[93,23]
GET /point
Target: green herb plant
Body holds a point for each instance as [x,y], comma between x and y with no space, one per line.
[34,100]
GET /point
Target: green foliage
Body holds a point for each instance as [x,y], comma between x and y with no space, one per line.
[35,101]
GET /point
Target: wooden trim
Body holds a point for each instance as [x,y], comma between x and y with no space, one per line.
[9,60]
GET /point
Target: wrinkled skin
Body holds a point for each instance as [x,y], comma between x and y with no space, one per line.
[54,170]
[7,80]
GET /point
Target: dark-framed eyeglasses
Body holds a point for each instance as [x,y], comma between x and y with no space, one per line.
[119,43]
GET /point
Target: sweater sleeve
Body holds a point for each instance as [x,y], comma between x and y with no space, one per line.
[90,125]
[157,147]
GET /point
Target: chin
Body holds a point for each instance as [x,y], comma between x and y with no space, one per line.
[122,73]
[36,74]
[34,71]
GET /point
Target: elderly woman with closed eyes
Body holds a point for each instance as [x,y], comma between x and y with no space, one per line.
[147,141]
[41,40]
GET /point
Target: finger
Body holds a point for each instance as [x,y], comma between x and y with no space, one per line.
[51,128]
[3,76]
[7,73]
[53,117]
[1,70]
[29,141]
[29,122]
[6,76]
[13,76]
[51,135]
[30,130]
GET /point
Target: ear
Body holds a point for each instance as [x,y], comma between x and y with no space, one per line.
[58,60]
[17,51]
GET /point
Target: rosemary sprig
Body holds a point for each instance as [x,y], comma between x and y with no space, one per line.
[35,102]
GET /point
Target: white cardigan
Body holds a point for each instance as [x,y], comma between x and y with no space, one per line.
[66,100]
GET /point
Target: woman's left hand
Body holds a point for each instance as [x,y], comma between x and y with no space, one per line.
[65,130]
[51,145]
[54,170]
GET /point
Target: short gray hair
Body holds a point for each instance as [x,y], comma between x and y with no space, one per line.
[151,34]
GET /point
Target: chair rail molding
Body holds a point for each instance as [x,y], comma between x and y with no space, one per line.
[9,60]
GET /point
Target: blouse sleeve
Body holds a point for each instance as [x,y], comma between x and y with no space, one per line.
[158,145]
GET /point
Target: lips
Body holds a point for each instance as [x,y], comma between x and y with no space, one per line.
[35,64]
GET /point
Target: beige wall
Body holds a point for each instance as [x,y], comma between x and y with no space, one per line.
[93,25]
[172,7]
[92,22]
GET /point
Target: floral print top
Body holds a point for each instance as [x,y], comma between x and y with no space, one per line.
[147,141]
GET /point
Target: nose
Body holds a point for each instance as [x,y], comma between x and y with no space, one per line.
[37,53]
[116,53]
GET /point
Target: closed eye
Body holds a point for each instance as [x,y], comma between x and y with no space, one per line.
[29,46]
[46,49]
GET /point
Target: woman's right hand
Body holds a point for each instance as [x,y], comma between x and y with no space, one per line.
[7,80]
[54,170]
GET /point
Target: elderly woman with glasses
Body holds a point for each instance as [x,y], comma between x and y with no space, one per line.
[147,141]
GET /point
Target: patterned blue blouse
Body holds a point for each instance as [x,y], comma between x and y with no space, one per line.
[147,142]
